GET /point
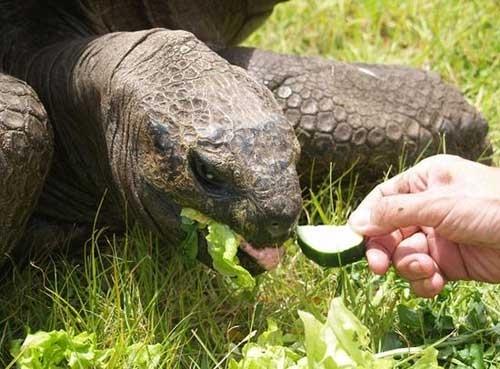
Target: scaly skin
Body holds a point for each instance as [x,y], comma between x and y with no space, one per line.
[152,120]
[155,121]
[370,114]
[25,155]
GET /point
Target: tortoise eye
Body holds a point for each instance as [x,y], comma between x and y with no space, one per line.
[207,176]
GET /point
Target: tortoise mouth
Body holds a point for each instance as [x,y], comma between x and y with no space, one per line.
[256,260]
[268,257]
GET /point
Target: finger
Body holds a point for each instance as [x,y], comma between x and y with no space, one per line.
[459,219]
[379,250]
[428,287]
[412,180]
[407,232]
[360,219]
[428,208]
[378,258]
[411,258]
[416,266]
[447,256]
[415,243]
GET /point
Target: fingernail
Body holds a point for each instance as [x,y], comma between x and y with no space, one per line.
[415,267]
[360,219]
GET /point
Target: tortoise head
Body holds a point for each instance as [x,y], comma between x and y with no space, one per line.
[213,139]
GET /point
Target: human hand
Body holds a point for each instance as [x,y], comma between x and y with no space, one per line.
[436,222]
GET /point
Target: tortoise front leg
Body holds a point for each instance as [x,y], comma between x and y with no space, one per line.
[25,155]
[344,113]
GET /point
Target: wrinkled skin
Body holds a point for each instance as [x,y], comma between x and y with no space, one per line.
[369,114]
[148,119]
[438,221]
[25,153]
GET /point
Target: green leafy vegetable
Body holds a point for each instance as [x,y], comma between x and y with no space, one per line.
[58,350]
[141,356]
[189,245]
[427,360]
[270,352]
[341,342]
[223,245]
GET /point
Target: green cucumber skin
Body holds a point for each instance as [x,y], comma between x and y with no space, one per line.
[333,260]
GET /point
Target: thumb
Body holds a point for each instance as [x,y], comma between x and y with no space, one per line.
[424,209]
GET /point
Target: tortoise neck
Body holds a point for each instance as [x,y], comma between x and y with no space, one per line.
[81,173]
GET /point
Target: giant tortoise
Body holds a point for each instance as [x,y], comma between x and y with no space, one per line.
[134,109]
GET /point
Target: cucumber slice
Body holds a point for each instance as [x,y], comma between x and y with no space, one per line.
[330,245]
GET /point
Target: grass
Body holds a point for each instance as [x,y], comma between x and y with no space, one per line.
[137,290]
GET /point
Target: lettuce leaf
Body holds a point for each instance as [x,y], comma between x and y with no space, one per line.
[340,342]
[141,356]
[60,350]
[222,244]
[427,360]
[269,352]
[57,349]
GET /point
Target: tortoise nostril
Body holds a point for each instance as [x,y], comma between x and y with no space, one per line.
[278,230]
